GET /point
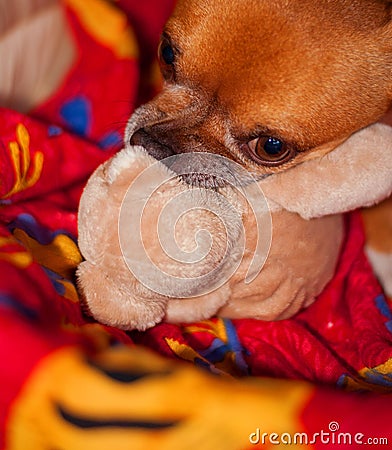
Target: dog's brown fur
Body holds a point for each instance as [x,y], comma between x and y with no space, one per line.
[307,73]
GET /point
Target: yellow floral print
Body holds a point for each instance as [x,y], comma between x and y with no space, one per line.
[27,171]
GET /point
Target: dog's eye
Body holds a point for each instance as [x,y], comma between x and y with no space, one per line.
[269,150]
[167,53]
[167,57]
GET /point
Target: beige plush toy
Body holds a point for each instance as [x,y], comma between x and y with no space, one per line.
[158,247]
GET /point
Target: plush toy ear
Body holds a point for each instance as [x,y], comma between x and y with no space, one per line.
[355,174]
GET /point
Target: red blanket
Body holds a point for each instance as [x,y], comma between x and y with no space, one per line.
[66,379]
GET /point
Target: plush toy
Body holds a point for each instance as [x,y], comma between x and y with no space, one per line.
[158,247]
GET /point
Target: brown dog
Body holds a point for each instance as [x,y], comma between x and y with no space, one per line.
[270,85]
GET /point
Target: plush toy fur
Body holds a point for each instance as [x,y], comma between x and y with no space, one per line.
[112,294]
[356,174]
[306,204]
[296,270]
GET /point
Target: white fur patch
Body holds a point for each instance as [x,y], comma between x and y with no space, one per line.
[382,266]
[125,159]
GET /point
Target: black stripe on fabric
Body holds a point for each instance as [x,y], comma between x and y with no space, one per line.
[126,376]
[87,423]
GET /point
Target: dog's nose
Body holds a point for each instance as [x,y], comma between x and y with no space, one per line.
[155,148]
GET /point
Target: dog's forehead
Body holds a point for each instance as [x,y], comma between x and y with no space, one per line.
[360,14]
[234,39]
[291,53]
